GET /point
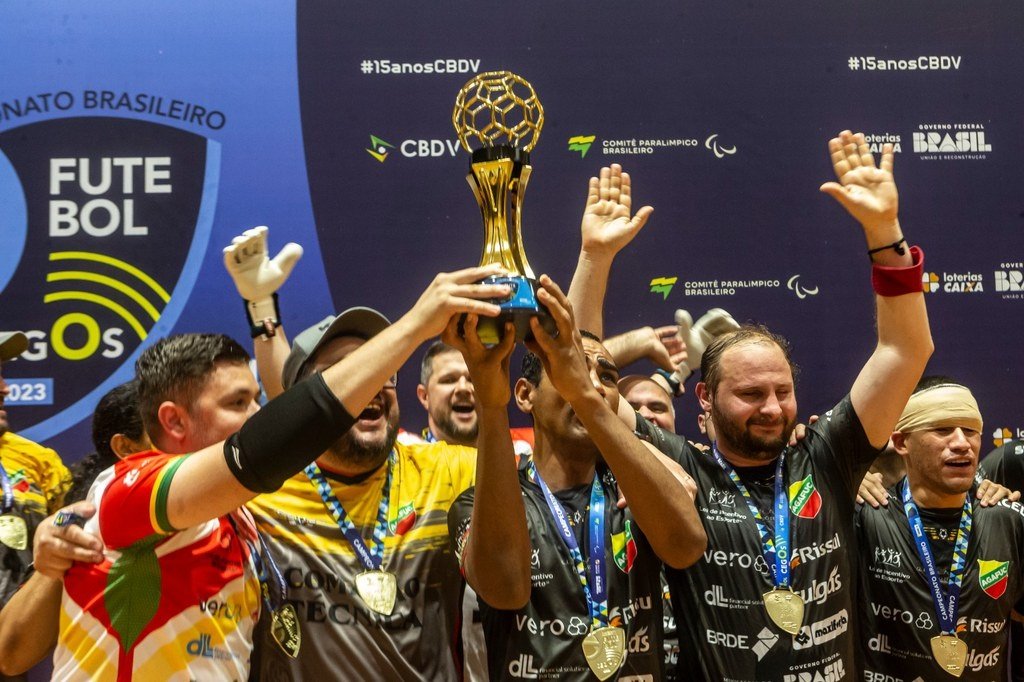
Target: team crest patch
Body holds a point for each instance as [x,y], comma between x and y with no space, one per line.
[804,498]
[624,548]
[401,524]
[993,576]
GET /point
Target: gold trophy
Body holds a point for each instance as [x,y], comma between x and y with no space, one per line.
[499,113]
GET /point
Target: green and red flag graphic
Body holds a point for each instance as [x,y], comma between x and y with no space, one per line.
[993,576]
[406,517]
[624,548]
[804,498]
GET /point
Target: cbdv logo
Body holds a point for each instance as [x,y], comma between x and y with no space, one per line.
[413,148]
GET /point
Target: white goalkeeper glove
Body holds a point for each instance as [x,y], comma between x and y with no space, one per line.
[711,325]
[258,277]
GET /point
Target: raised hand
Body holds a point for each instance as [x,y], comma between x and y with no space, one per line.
[258,277]
[866,191]
[488,367]
[608,223]
[562,356]
[453,293]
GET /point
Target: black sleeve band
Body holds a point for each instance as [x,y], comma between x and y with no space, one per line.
[289,432]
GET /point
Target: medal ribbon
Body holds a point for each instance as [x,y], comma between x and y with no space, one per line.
[370,557]
[775,548]
[592,573]
[946,603]
[5,483]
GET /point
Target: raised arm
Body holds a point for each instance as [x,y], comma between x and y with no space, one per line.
[868,193]
[660,502]
[298,426]
[257,278]
[496,553]
[608,225]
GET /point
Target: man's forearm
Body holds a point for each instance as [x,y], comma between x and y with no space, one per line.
[29,624]
[497,553]
[587,291]
[271,353]
[660,504]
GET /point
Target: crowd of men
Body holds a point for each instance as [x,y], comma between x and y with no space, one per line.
[313,538]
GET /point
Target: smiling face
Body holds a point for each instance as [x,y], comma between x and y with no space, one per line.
[651,401]
[449,399]
[754,405]
[373,435]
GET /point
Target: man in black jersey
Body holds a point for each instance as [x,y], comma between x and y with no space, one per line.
[568,581]
[908,628]
[722,601]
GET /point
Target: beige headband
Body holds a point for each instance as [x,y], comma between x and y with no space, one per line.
[942,406]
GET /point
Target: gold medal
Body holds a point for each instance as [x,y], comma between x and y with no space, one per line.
[785,608]
[377,589]
[950,652]
[13,532]
[284,628]
[605,650]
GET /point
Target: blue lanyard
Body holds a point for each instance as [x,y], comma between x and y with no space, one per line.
[429,436]
[592,573]
[946,604]
[775,548]
[371,558]
[262,560]
[5,483]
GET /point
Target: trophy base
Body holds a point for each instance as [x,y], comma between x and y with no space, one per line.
[518,308]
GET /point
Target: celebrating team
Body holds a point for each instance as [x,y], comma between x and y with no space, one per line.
[310,539]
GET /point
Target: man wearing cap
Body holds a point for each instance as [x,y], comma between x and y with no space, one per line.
[361,537]
[940,570]
[33,481]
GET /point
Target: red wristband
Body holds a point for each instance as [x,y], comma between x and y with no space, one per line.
[890,281]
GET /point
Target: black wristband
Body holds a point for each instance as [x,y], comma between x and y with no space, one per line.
[897,246]
[267,327]
[291,431]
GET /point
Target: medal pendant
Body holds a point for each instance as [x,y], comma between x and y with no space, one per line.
[950,652]
[377,589]
[605,650]
[13,532]
[785,608]
[284,628]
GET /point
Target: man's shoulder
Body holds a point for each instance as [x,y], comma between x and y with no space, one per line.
[1004,511]
[13,444]
[424,451]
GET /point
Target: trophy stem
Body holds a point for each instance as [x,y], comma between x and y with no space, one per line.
[499,185]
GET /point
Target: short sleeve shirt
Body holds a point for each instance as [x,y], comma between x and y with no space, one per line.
[39,481]
[897,612]
[543,640]
[342,639]
[164,603]
[724,631]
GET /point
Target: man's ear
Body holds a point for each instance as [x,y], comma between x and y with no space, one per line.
[421,395]
[174,421]
[899,443]
[524,395]
[704,396]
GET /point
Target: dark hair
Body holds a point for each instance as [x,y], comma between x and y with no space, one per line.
[531,367]
[436,348]
[117,412]
[710,362]
[935,380]
[176,368]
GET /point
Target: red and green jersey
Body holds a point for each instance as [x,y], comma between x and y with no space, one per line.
[165,603]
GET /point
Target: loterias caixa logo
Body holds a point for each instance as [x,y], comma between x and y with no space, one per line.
[105,222]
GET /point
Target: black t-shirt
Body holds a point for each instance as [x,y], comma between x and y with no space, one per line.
[897,612]
[724,631]
[543,640]
[1005,465]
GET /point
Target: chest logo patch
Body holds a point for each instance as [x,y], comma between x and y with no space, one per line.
[804,498]
[993,576]
[404,520]
[624,548]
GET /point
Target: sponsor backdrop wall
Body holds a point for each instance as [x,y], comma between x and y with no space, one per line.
[135,142]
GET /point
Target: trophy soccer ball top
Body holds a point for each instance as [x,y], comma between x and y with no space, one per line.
[498,119]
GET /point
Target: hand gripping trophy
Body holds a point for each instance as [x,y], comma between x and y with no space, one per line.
[499,113]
